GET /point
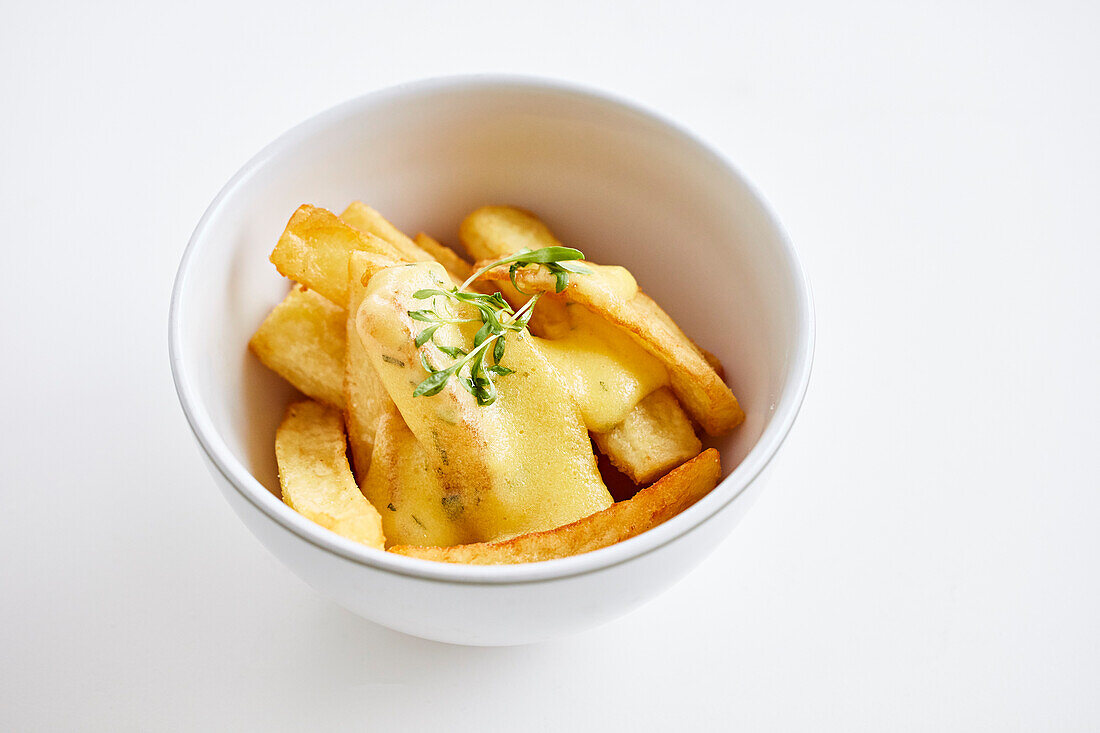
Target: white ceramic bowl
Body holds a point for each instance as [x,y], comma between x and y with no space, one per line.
[616,181]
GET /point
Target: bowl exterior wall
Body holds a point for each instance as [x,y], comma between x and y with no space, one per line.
[488,614]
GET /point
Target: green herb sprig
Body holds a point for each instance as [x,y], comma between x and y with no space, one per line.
[496,317]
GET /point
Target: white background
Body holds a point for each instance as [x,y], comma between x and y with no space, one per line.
[927,556]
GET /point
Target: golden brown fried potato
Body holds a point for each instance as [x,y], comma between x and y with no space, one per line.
[314,249]
[714,361]
[302,340]
[697,386]
[652,440]
[316,478]
[405,485]
[458,267]
[649,507]
[492,232]
[365,399]
[369,221]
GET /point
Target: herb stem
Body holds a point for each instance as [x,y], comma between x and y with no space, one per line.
[479,382]
[544,256]
[474,276]
[529,305]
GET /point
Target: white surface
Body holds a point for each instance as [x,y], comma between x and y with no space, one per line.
[602,174]
[926,555]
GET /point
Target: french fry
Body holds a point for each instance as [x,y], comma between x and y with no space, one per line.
[302,340]
[314,250]
[315,476]
[652,440]
[492,232]
[696,384]
[371,264]
[451,260]
[651,506]
[606,290]
[365,399]
[369,221]
[714,361]
[405,486]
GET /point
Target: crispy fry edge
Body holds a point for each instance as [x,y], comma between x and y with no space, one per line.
[666,498]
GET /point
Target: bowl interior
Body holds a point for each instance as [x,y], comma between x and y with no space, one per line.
[610,180]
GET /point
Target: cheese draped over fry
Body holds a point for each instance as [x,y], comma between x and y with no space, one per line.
[521,464]
[607,373]
[608,292]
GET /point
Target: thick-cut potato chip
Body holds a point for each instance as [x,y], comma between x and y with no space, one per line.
[653,439]
[314,249]
[313,470]
[369,221]
[406,486]
[302,340]
[694,381]
[648,508]
[365,399]
[458,267]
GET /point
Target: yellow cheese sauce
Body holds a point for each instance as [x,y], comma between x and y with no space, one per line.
[604,369]
[618,280]
[521,464]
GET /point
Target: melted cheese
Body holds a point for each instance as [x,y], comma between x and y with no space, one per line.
[522,464]
[616,279]
[607,373]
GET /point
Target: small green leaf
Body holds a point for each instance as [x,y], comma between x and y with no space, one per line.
[500,370]
[429,293]
[426,316]
[482,334]
[423,336]
[547,255]
[561,279]
[486,393]
[452,351]
[433,385]
[498,300]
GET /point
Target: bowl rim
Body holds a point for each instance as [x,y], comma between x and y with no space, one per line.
[789,400]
